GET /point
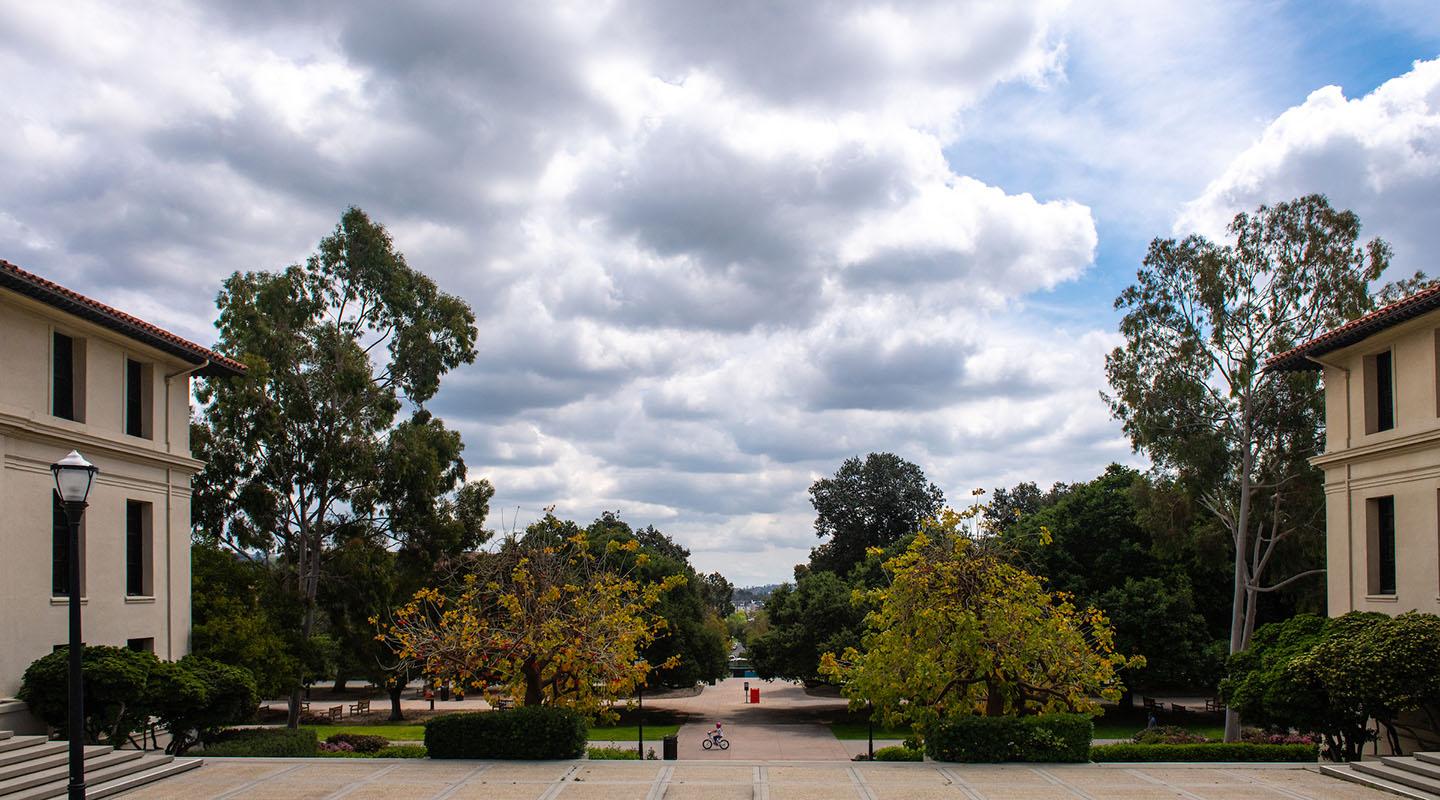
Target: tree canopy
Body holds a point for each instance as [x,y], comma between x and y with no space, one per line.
[306,442]
[959,630]
[869,503]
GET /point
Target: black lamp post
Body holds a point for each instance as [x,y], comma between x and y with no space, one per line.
[640,711]
[73,477]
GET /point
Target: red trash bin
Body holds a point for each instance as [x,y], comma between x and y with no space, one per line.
[754,695]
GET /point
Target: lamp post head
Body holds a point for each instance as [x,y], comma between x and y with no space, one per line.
[73,477]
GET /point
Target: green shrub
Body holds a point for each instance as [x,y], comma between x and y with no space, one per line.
[898,753]
[612,754]
[1048,738]
[529,732]
[361,743]
[401,751]
[1211,751]
[195,698]
[116,702]
[1168,734]
[264,743]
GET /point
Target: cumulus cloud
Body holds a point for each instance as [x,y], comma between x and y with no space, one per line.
[713,249]
[1378,155]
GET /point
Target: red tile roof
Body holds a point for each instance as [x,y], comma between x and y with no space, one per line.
[1356,330]
[53,294]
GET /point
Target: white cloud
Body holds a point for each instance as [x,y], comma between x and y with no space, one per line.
[1378,155]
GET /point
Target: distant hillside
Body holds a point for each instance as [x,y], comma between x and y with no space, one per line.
[753,594]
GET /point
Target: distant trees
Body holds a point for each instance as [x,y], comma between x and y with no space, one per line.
[1190,386]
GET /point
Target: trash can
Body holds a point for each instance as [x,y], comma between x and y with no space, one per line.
[754,695]
[671,747]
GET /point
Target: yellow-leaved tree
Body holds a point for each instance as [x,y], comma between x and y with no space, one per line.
[546,619]
[959,630]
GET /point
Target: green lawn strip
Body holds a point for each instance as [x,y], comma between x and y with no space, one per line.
[860,730]
[629,733]
[396,732]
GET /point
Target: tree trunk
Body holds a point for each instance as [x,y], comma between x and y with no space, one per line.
[1239,612]
[994,700]
[340,681]
[534,692]
[396,713]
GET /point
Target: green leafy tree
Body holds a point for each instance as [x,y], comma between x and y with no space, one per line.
[959,630]
[868,503]
[814,616]
[1190,386]
[308,440]
[241,617]
[1155,617]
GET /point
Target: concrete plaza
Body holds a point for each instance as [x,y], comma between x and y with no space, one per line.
[296,779]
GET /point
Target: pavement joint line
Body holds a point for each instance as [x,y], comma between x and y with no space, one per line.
[558,785]
[762,782]
[662,780]
[1055,779]
[959,782]
[861,787]
[366,781]
[1273,787]
[251,784]
[469,776]
[1168,785]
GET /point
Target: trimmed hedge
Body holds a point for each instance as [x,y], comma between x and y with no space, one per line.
[529,732]
[1211,751]
[401,751]
[612,754]
[898,753]
[1048,738]
[265,743]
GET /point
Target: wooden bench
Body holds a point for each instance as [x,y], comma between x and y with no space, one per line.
[1213,705]
[1149,704]
[336,713]
[504,703]
[304,706]
[359,707]
[1177,708]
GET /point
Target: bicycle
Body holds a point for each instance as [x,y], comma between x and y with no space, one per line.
[714,741]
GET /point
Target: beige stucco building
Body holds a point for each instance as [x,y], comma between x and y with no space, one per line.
[77,374]
[1382,456]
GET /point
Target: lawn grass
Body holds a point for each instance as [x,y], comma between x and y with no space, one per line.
[394,731]
[861,730]
[410,732]
[629,733]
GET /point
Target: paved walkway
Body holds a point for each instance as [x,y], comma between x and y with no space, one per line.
[256,779]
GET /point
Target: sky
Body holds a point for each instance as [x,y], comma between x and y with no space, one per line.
[714,249]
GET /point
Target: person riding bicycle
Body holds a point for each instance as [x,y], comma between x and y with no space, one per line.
[717,734]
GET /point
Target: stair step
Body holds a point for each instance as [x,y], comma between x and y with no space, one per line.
[1428,758]
[1396,774]
[56,755]
[98,781]
[1414,765]
[125,784]
[94,764]
[6,735]
[17,742]
[37,747]
[1346,773]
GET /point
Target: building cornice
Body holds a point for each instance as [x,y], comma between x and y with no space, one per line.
[1398,445]
[75,436]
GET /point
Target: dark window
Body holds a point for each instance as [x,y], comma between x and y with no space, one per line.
[1385,545]
[59,548]
[63,389]
[1384,391]
[135,548]
[134,398]
[145,645]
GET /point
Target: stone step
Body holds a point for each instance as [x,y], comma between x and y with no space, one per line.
[94,763]
[17,742]
[1346,772]
[6,735]
[146,768]
[1389,769]
[1412,764]
[55,756]
[125,784]
[1428,758]
[32,747]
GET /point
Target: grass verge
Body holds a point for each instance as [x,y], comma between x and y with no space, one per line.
[860,730]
